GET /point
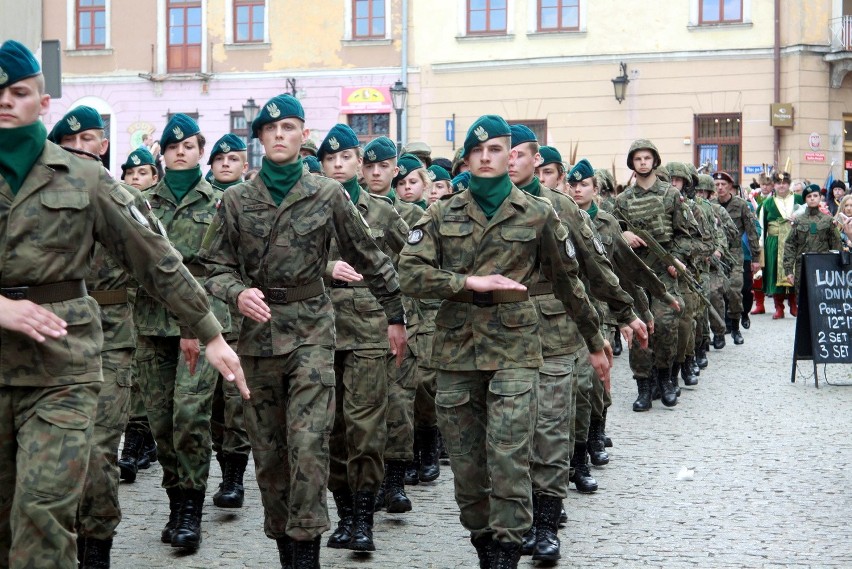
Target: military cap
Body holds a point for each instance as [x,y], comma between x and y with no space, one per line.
[228,143]
[643,144]
[582,170]
[277,108]
[76,120]
[419,149]
[310,146]
[16,63]
[521,133]
[781,177]
[811,188]
[379,149]
[723,176]
[437,174]
[407,164]
[313,164]
[461,182]
[179,128]
[485,128]
[549,155]
[139,157]
[341,137]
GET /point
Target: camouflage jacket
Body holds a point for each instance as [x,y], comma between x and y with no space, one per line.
[743,218]
[65,206]
[288,246]
[813,232]
[522,241]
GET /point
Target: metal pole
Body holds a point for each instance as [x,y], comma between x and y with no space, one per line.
[398,131]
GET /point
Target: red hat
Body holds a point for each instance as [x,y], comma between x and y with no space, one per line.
[723,176]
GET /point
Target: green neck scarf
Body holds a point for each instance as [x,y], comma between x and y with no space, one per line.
[489,193]
[391,195]
[20,147]
[534,187]
[280,178]
[352,188]
[181,181]
[593,210]
[421,204]
[225,185]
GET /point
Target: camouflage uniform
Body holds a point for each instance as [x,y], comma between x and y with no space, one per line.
[743,219]
[49,390]
[289,360]
[813,232]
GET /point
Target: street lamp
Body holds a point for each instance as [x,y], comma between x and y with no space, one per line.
[250,110]
[399,94]
[620,84]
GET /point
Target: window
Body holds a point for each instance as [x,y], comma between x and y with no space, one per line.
[371,126]
[720,11]
[368,20]
[539,128]
[91,24]
[249,17]
[184,36]
[241,129]
[718,140]
[193,115]
[558,15]
[486,16]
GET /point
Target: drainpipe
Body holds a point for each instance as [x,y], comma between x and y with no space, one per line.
[776,52]
[404,68]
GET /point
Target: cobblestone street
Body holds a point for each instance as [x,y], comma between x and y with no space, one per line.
[771,485]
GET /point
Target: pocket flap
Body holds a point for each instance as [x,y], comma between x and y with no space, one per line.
[517,233]
[203,216]
[64,418]
[456,229]
[65,199]
[551,307]
[366,304]
[450,399]
[517,316]
[509,387]
[451,315]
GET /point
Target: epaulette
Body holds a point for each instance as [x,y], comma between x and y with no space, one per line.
[81,152]
[381,197]
[448,196]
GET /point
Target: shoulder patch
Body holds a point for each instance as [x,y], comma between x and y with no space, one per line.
[599,247]
[569,248]
[415,236]
[137,216]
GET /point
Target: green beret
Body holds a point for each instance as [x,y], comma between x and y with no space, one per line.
[549,155]
[461,182]
[228,143]
[139,157]
[379,149]
[277,108]
[313,164]
[310,146]
[341,137]
[521,134]
[437,174]
[16,63]
[76,120]
[407,164]
[179,128]
[209,177]
[581,170]
[484,128]
[811,188]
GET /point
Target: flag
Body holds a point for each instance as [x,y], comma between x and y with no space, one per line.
[830,178]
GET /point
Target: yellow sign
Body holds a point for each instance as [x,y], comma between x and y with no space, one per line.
[365,95]
[781,115]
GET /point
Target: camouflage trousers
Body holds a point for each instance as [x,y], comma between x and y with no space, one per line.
[551,448]
[359,435]
[402,389]
[734,291]
[686,323]
[586,379]
[664,340]
[601,399]
[179,407]
[99,512]
[227,424]
[488,419]
[45,443]
[424,401]
[289,419]
[138,415]
[715,283]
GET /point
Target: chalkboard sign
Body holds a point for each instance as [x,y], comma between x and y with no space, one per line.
[824,323]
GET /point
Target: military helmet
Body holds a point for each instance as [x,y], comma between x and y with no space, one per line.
[606,183]
[643,144]
[685,171]
[663,174]
[693,173]
[705,183]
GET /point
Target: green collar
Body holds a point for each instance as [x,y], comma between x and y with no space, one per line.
[593,210]
[20,147]
[534,187]
[353,189]
[181,181]
[280,178]
[422,204]
[224,185]
[490,193]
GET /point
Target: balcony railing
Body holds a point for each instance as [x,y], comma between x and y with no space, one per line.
[841,34]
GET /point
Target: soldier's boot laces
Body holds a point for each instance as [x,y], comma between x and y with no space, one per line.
[687,372]
[148,453]
[95,553]
[187,534]
[668,391]
[581,477]
[306,554]
[547,540]
[675,377]
[506,555]
[595,445]
[643,401]
[362,526]
[396,502]
[285,551]
[430,465]
[736,335]
[528,539]
[231,491]
[128,463]
[484,546]
[175,504]
[341,537]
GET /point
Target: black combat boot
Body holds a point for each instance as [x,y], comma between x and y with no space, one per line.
[396,501]
[306,554]
[655,385]
[285,551]
[563,518]
[595,444]
[506,555]
[343,534]
[362,524]
[547,539]
[718,341]
[528,540]
[675,378]
[701,354]
[231,491]
[581,477]
[148,454]
[607,440]
[430,465]
[617,348]
[643,401]
[736,336]
[81,548]
[380,495]
[696,371]
[95,553]
[128,463]
[484,546]
[687,372]
[187,534]
[411,476]
[668,392]
[175,504]
[442,449]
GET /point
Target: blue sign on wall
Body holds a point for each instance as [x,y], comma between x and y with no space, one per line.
[752,169]
[450,130]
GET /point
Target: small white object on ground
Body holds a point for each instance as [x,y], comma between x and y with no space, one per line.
[685,474]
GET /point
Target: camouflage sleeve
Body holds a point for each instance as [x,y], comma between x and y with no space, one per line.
[792,248]
[749,223]
[219,253]
[396,235]
[420,272]
[560,268]
[834,238]
[684,227]
[631,269]
[125,232]
[729,227]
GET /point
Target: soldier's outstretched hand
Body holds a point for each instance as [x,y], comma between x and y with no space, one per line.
[31,319]
[491,282]
[222,357]
[343,271]
[250,304]
[191,350]
[397,338]
[601,363]
[637,328]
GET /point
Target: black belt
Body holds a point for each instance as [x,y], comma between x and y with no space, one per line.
[540,289]
[490,298]
[106,297]
[45,294]
[292,294]
[343,284]
[196,270]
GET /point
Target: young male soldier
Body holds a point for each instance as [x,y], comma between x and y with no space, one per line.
[228,161]
[813,232]
[140,169]
[54,207]
[275,230]
[365,345]
[558,391]
[481,250]
[551,170]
